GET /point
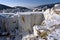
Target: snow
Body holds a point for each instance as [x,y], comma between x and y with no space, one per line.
[53,19]
[28,13]
[51,24]
[54,35]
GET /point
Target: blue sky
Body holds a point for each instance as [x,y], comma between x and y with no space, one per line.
[27,3]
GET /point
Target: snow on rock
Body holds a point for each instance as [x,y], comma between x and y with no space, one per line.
[54,35]
[49,28]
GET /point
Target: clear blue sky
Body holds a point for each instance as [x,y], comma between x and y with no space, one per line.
[27,3]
